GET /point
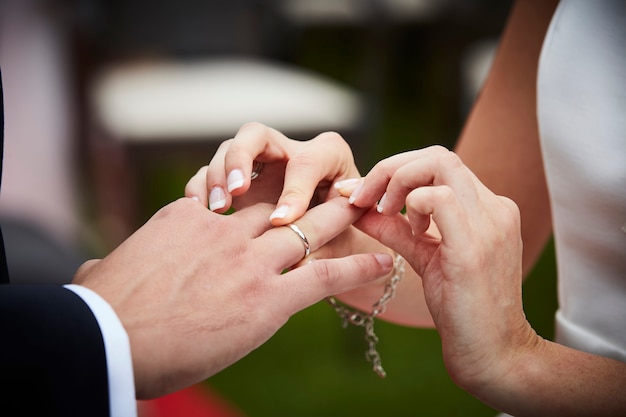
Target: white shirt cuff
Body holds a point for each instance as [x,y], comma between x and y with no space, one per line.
[117,349]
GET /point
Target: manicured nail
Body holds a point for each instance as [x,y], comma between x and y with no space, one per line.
[346,183]
[235,180]
[381,204]
[355,193]
[280,212]
[217,198]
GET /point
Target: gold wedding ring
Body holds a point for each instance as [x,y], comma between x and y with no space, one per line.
[296,229]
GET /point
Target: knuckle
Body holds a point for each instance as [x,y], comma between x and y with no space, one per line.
[235,147]
[511,218]
[510,205]
[438,149]
[444,194]
[383,169]
[247,133]
[331,138]
[174,208]
[168,209]
[253,125]
[302,159]
[294,191]
[450,159]
[224,145]
[334,143]
[325,275]
[84,269]
[305,165]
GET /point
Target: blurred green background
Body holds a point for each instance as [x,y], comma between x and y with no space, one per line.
[313,367]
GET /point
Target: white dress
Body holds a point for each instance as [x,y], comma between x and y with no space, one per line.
[581,99]
[582,123]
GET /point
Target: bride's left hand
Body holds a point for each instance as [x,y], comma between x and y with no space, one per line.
[471,270]
[294,175]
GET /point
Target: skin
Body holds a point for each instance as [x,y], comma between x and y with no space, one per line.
[472,276]
[196,291]
[298,174]
[500,140]
[467,215]
[306,176]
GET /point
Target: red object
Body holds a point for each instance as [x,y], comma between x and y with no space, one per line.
[195,401]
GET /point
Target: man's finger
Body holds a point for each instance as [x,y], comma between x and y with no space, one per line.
[319,225]
[312,282]
[254,218]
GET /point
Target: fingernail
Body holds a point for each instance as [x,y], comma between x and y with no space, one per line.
[384,259]
[235,179]
[355,193]
[195,198]
[217,198]
[280,212]
[346,183]
[381,204]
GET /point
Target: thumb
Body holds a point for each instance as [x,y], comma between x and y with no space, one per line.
[322,278]
[392,231]
[395,232]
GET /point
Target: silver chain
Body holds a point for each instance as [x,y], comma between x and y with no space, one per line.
[358,318]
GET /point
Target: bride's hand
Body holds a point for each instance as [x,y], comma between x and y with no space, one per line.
[294,175]
[471,272]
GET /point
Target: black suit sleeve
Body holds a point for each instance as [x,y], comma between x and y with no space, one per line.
[52,358]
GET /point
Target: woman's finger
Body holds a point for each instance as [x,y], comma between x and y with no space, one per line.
[312,165]
[409,237]
[209,183]
[253,141]
[375,183]
[196,187]
[394,231]
[390,181]
[444,206]
[444,168]
[216,182]
[420,223]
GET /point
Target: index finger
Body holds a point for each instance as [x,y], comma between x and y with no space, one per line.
[253,141]
[312,166]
